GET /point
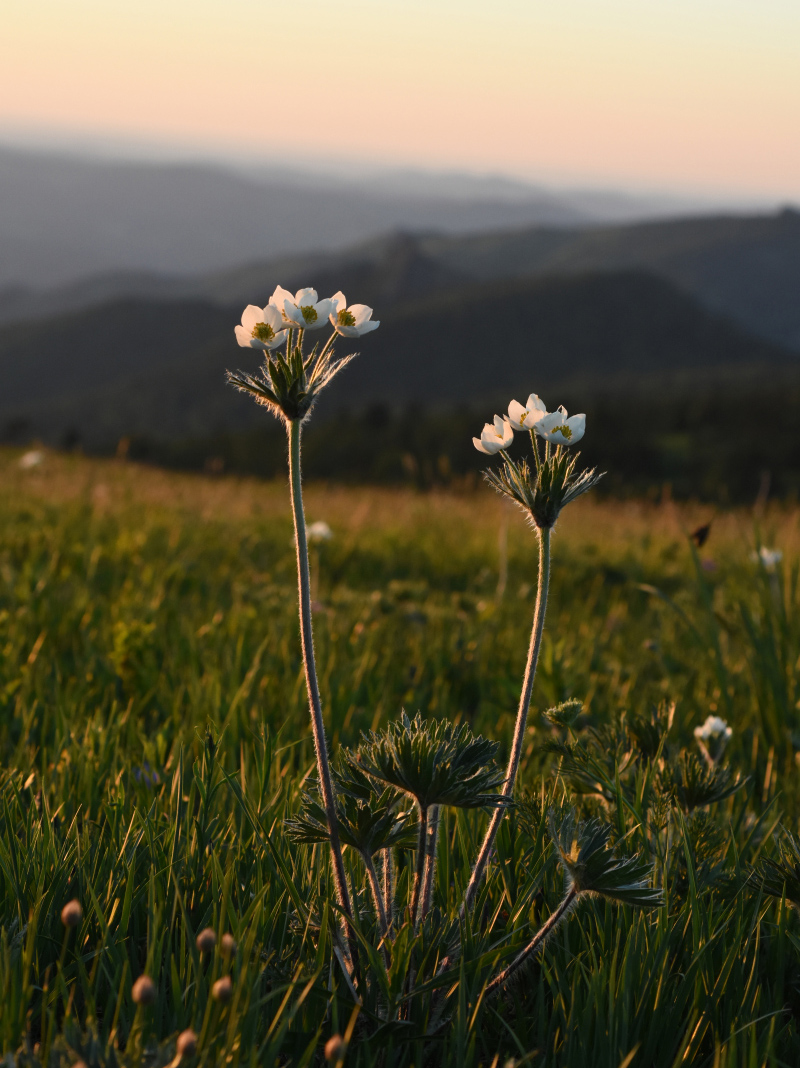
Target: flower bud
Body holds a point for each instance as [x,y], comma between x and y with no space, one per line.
[334,1048]
[206,940]
[72,913]
[144,990]
[186,1045]
[222,990]
[228,944]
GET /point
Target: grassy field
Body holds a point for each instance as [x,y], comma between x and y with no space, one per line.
[155,736]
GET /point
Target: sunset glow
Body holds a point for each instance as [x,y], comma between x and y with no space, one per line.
[700,95]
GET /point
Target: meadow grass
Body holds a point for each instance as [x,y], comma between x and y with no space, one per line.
[155,738]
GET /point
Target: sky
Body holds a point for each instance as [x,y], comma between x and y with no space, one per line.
[674,95]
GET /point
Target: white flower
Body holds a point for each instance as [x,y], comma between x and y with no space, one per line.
[560,430]
[353,321]
[770,558]
[714,727]
[31,459]
[494,436]
[262,328]
[319,531]
[304,309]
[526,418]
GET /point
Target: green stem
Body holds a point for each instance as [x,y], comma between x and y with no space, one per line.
[546,929]
[315,705]
[377,897]
[327,345]
[418,874]
[430,860]
[522,717]
[388,894]
[536,456]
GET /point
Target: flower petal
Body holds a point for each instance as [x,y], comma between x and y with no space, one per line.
[252,315]
[304,297]
[480,446]
[516,414]
[339,302]
[368,327]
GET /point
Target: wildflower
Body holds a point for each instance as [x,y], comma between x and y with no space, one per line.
[144,991]
[559,429]
[222,990]
[228,944]
[186,1045]
[526,418]
[72,913]
[770,558]
[304,309]
[713,727]
[206,940]
[334,1048]
[353,321]
[319,531]
[712,737]
[262,328]
[494,436]
[30,459]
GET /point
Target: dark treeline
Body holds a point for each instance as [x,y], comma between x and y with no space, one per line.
[718,440]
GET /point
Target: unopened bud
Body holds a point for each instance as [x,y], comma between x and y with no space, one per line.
[187,1043]
[228,944]
[334,1048]
[222,990]
[206,940]
[72,913]
[144,990]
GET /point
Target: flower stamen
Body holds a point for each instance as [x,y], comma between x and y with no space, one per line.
[346,318]
[263,332]
[309,313]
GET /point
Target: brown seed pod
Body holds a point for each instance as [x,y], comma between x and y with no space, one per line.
[334,1048]
[228,945]
[222,990]
[72,913]
[206,940]
[144,990]
[186,1045]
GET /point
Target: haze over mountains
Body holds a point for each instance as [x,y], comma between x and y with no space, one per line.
[655,314]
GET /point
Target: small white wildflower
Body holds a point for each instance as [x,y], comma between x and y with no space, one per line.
[262,328]
[770,558]
[30,459]
[494,436]
[303,309]
[526,418]
[558,428]
[351,321]
[714,727]
[319,531]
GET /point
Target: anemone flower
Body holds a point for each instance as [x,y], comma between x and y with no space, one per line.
[303,309]
[526,418]
[494,436]
[352,321]
[555,427]
[262,328]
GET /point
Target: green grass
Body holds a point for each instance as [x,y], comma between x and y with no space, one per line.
[142,614]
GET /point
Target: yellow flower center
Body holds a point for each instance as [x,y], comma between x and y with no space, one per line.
[263,332]
[309,313]
[346,318]
[564,430]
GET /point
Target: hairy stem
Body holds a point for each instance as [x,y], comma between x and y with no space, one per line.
[430,860]
[421,843]
[388,880]
[538,939]
[377,897]
[522,718]
[315,705]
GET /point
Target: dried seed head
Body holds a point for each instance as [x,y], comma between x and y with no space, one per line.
[187,1043]
[72,913]
[228,944]
[334,1048]
[144,990]
[206,940]
[222,990]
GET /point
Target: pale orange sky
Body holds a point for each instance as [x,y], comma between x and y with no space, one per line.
[690,95]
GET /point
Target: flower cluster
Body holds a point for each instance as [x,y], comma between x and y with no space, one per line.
[556,428]
[541,492]
[288,384]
